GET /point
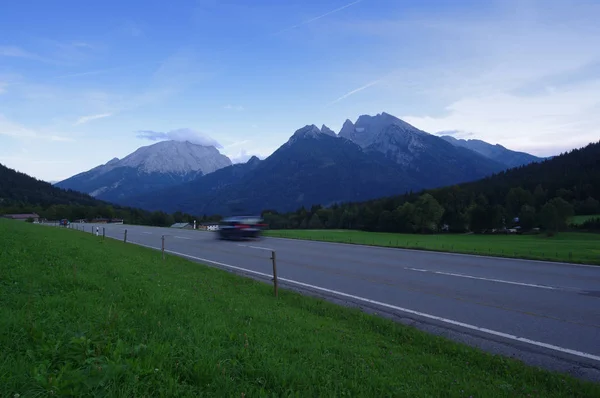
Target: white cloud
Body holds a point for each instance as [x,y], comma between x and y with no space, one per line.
[525,76]
[89,118]
[544,124]
[18,131]
[183,134]
[242,157]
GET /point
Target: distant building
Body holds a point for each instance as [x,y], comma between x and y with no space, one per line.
[183,225]
[209,226]
[23,217]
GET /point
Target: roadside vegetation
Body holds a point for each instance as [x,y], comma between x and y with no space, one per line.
[82,316]
[566,246]
[580,220]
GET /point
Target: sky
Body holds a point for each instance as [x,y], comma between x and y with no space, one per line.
[84,82]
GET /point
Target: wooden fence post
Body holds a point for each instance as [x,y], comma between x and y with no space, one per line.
[163,247]
[125,238]
[273,257]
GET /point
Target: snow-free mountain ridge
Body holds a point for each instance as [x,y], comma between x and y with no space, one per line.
[496,152]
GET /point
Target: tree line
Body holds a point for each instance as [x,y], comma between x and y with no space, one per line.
[105,211]
[23,194]
[540,195]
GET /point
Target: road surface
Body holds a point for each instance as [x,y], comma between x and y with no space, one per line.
[544,313]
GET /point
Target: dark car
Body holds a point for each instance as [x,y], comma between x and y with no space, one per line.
[242,227]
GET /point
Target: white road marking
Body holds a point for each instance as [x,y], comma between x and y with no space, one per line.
[256,247]
[182,237]
[394,307]
[147,233]
[483,279]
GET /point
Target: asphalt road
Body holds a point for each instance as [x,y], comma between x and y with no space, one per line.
[544,313]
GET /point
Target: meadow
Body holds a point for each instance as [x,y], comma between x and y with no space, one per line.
[575,247]
[82,316]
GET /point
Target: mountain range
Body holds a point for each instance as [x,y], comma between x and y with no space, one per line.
[376,156]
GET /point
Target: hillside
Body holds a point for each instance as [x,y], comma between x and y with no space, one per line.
[21,193]
[539,194]
[19,188]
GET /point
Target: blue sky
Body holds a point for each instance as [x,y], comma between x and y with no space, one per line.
[79,80]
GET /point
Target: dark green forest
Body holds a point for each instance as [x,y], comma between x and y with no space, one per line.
[21,193]
[539,195]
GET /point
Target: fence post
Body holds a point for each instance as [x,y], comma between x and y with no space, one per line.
[274,271]
[103,233]
[163,247]
[125,238]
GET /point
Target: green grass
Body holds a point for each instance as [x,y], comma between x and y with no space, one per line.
[570,246]
[578,220]
[89,318]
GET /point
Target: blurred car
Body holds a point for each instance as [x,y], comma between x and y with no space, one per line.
[241,227]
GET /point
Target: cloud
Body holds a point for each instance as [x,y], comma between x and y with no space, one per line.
[545,124]
[89,118]
[234,107]
[183,134]
[17,52]
[318,17]
[355,91]
[242,157]
[236,144]
[455,133]
[18,131]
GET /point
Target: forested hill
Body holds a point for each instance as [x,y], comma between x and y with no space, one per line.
[21,193]
[539,194]
[19,188]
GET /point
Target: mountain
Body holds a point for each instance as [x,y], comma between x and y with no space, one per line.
[17,188]
[427,157]
[496,152]
[164,164]
[388,155]
[366,128]
[313,167]
[487,203]
[316,166]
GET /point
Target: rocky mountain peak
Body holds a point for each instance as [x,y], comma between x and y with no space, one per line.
[328,131]
[177,157]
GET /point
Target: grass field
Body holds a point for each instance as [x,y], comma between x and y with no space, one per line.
[84,317]
[570,247]
[578,220]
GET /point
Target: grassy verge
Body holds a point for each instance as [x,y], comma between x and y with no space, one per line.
[569,246]
[84,317]
[578,220]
